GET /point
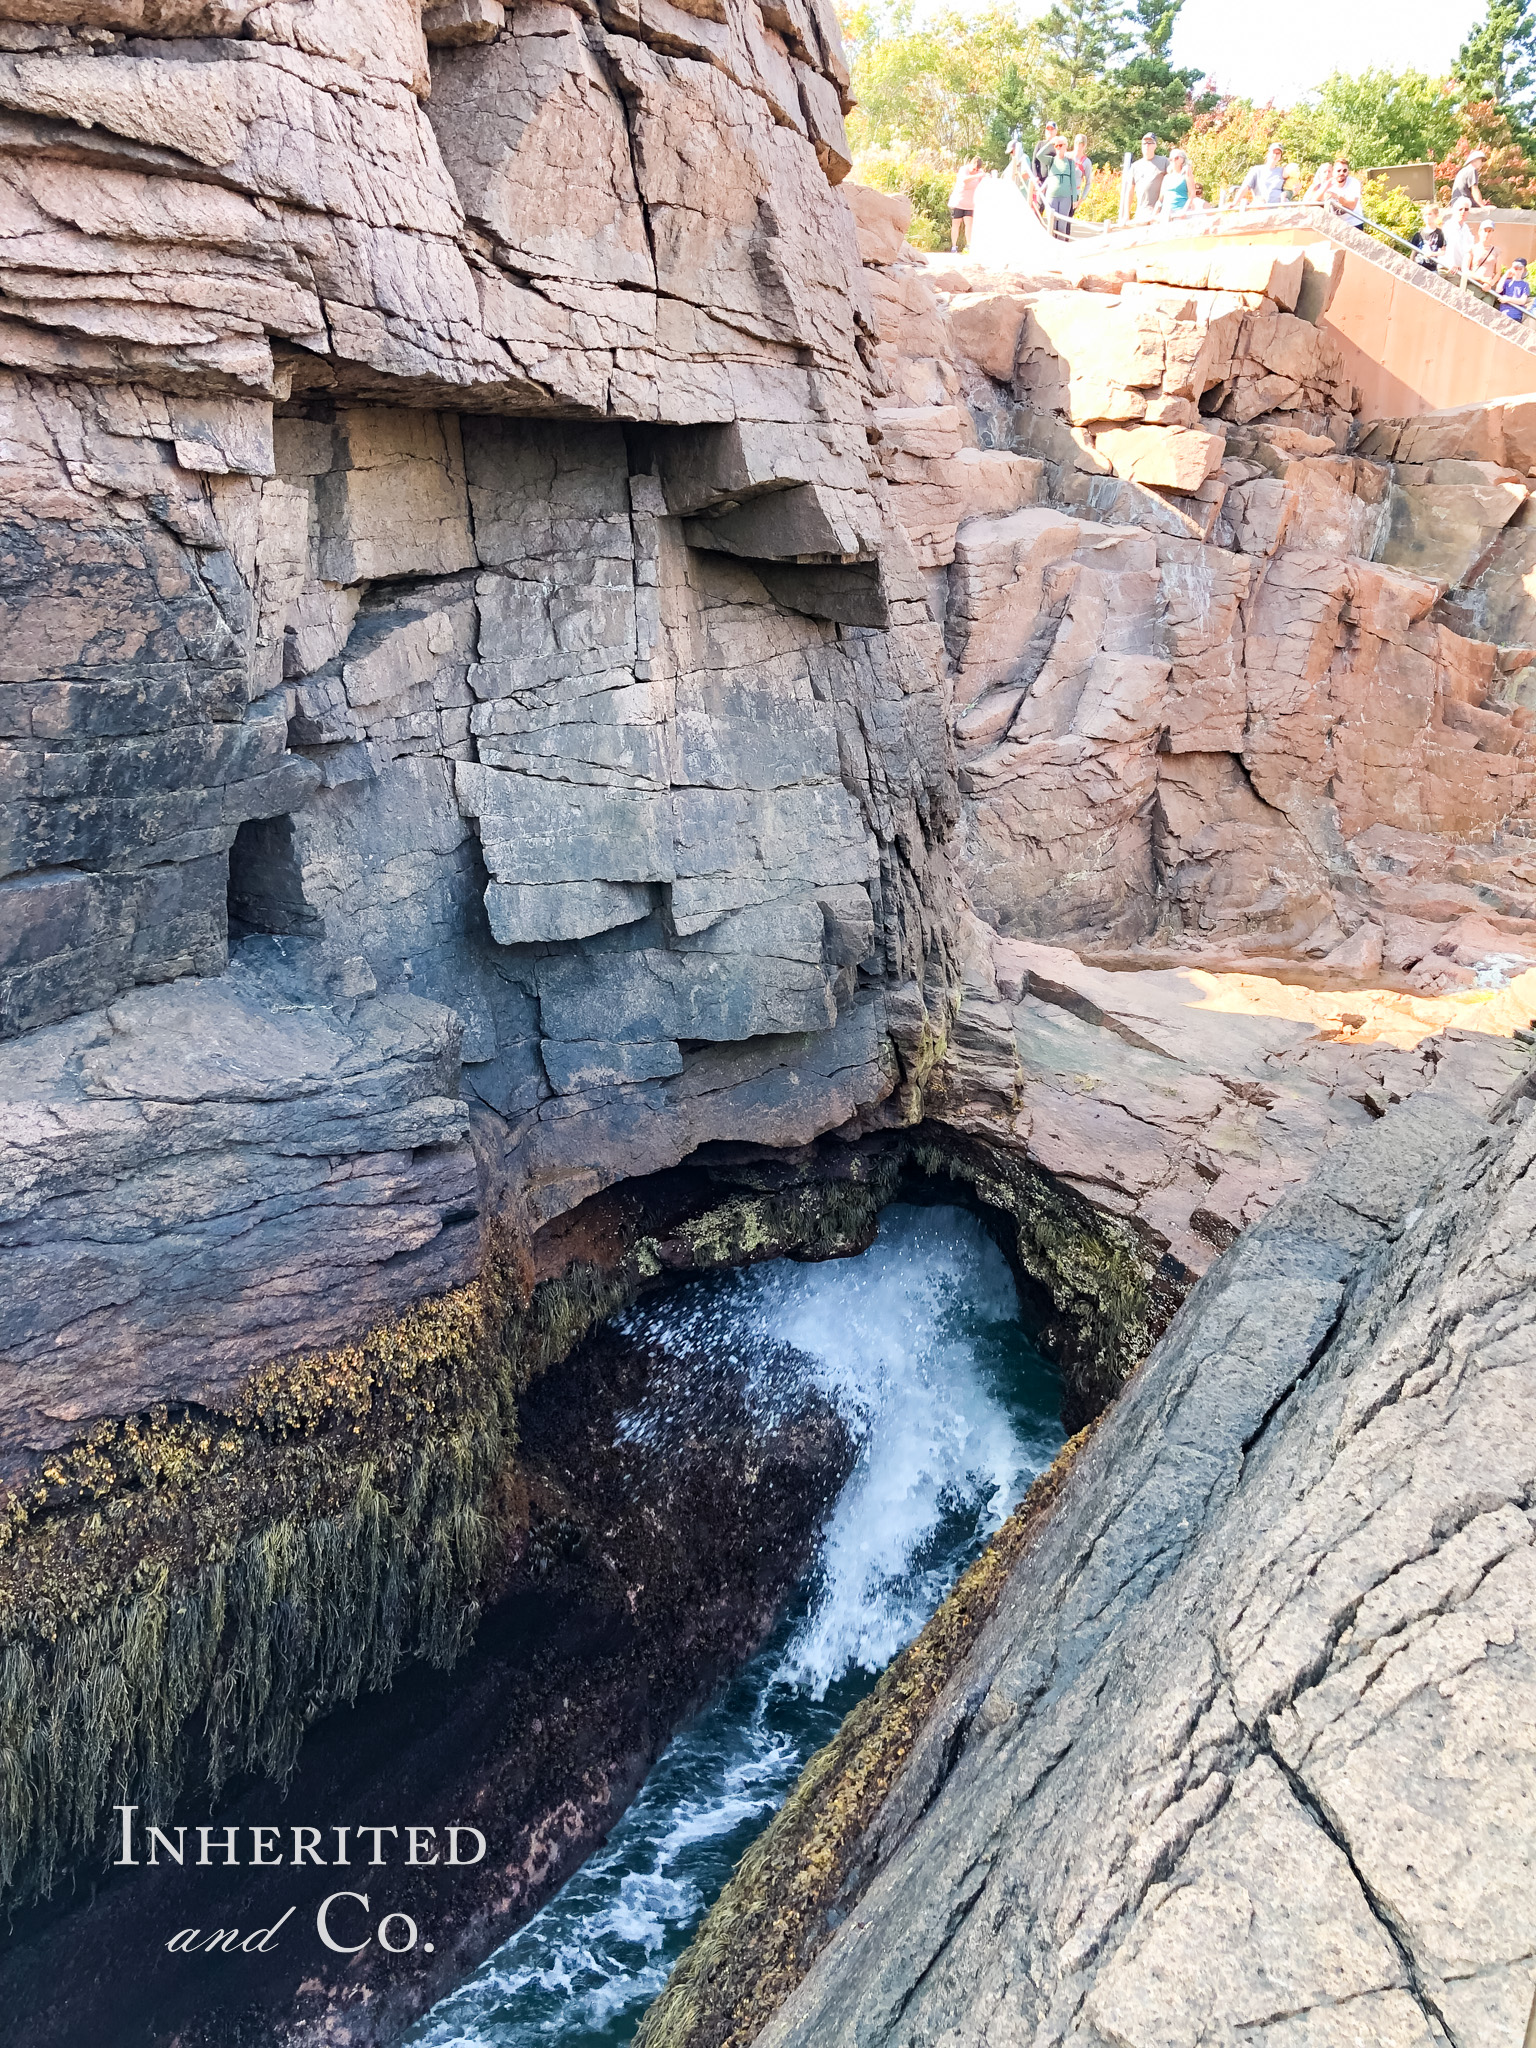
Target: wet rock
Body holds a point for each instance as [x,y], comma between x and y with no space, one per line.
[1232,1686]
[643,1564]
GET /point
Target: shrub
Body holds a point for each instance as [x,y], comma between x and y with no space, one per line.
[1388,206]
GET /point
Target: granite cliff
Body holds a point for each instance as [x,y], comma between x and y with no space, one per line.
[573,712]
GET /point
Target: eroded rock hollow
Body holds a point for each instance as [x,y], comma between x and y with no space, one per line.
[574,713]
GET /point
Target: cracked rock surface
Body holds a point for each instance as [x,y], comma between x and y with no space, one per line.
[1247,1753]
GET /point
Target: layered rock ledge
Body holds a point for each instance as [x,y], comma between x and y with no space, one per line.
[571,711]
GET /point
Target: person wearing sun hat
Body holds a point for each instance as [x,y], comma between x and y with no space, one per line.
[1465,185]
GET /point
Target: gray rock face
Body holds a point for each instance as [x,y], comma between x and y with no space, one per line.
[1246,1753]
[208,1175]
[443,551]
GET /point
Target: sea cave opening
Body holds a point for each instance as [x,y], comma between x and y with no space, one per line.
[919,1363]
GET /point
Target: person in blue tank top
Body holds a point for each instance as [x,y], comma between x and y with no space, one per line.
[1177,186]
[1513,290]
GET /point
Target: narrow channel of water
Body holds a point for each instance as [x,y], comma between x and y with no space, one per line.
[919,1345]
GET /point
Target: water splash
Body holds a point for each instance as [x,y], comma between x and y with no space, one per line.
[918,1345]
[1498,970]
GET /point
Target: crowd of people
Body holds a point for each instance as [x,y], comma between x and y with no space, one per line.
[1058,174]
[1448,242]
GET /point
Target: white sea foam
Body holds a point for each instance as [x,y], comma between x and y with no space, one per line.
[906,1341]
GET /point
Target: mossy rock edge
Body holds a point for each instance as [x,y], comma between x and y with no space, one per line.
[771,1920]
[183,1593]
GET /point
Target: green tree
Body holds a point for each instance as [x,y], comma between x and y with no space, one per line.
[1498,62]
[930,92]
[1016,109]
[1080,41]
[1156,20]
[1374,118]
[1150,97]
[1105,71]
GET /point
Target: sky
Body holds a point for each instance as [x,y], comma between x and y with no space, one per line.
[1279,51]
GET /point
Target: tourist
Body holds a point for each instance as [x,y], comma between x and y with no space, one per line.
[1514,290]
[1265,183]
[1082,163]
[1464,185]
[1176,186]
[1045,154]
[962,202]
[1147,179]
[1483,259]
[1061,191]
[1342,196]
[1317,191]
[1429,240]
[1458,237]
[1199,204]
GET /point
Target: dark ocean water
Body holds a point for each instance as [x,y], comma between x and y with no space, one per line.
[918,1343]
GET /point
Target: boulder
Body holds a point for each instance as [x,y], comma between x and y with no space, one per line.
[880,221]
[986,327]
[1322,273]
[937,479]
[1171,458]
[1205,266]
[822,108]
[447,23]
[1442,529]
[394,497]
[995,482]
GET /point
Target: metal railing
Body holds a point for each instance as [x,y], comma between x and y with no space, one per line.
[1522,332]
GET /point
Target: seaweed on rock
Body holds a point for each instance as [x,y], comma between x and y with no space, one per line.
[182,1594]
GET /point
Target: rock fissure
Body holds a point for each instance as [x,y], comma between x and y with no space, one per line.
[1317,1812]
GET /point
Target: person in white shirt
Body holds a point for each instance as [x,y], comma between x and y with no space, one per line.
[1459,239]
[1342,195]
